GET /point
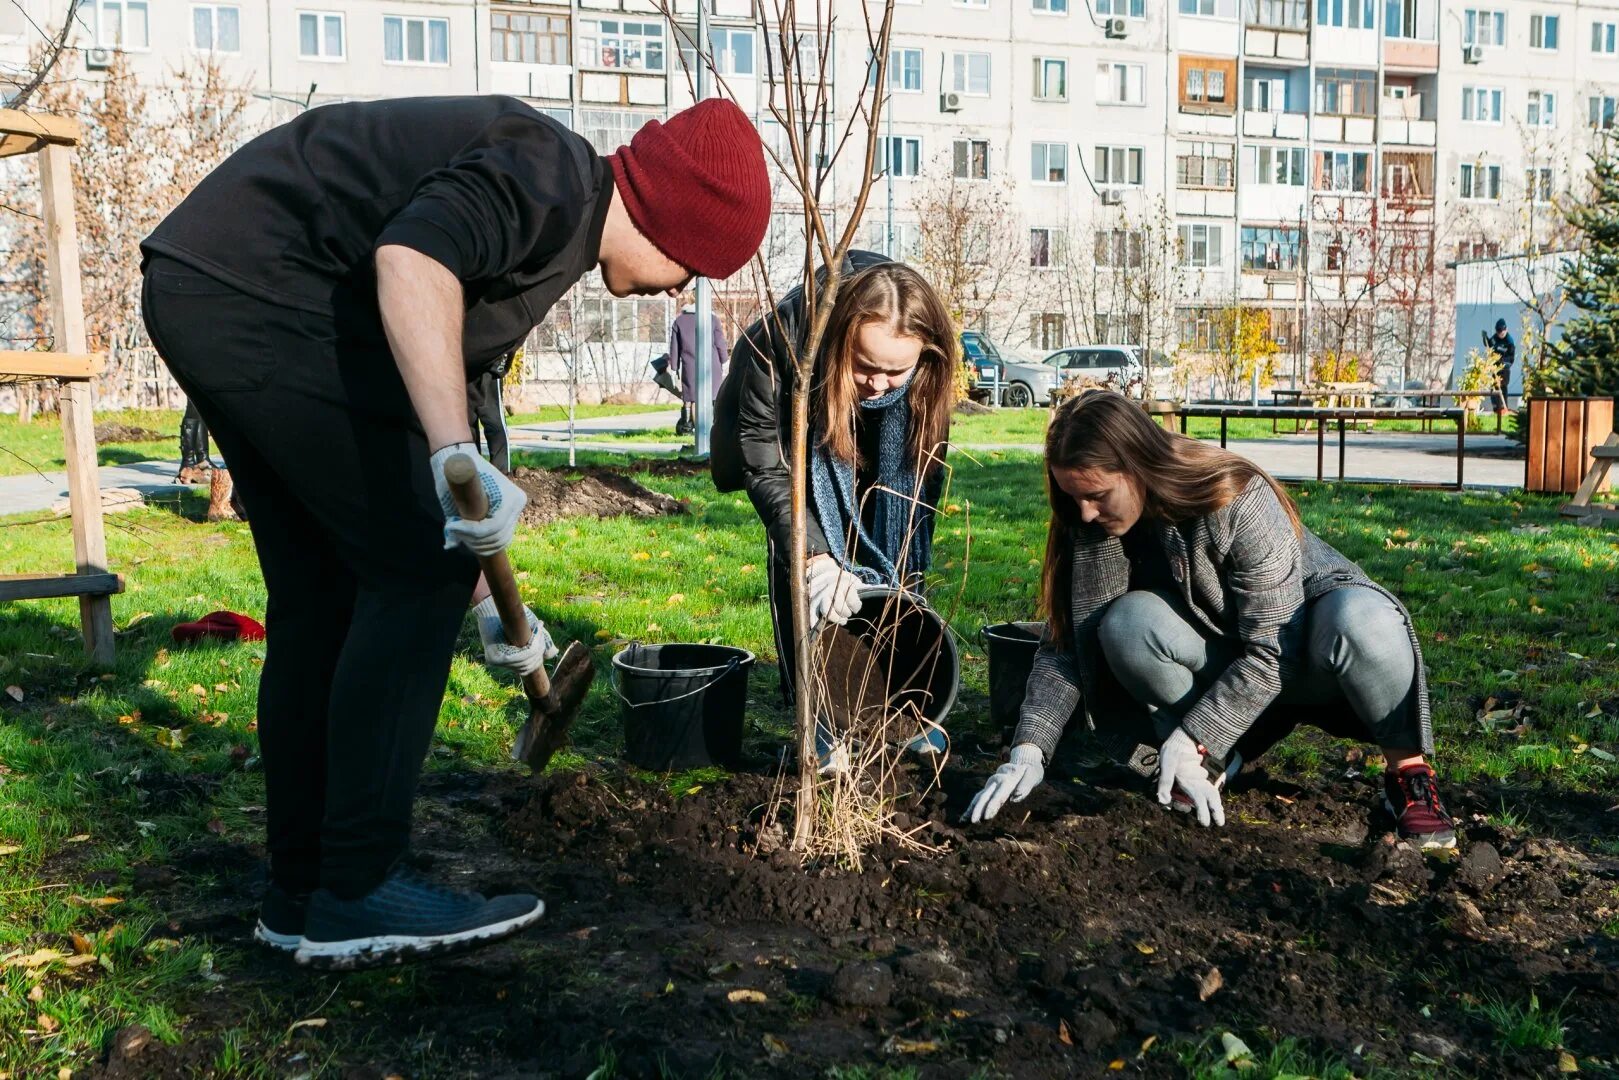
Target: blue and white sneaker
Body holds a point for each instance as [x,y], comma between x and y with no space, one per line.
[281,919]
[405,918]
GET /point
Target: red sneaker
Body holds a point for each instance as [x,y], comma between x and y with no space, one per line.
[1413,799]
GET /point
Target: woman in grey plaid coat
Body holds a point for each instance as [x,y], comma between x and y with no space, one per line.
[1199,622]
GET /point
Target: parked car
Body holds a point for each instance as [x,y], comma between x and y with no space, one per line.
[983,362]
[1015,380]
[1120,364]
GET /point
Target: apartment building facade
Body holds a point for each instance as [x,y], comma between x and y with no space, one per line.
[1320,162]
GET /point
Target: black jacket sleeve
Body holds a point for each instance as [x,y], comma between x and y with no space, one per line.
[510,201]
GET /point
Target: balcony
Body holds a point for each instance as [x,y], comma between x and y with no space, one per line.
[1275,125]
[1408,179]
[1277,30]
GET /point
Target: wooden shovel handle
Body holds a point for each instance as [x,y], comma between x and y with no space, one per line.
[473,504]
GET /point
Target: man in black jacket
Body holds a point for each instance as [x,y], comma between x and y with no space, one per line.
[324,296]
[1506,351]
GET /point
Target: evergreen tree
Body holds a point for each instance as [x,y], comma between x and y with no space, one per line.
[1585,361]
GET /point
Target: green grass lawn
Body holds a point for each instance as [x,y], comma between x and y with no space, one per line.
[1028,426]
[554,413]
[107,778]
[25,448]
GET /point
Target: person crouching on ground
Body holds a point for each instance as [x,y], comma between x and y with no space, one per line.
[1202,622]
[879,420]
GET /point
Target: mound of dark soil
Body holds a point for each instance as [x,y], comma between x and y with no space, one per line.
[554,494]
[108,431]
[969,407]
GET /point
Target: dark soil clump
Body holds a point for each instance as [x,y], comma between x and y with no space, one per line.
[554,494]
[109,431]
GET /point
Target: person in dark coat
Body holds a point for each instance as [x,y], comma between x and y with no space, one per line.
[879,425]
[683,362]
[324,296]
[487,410]
[1199,622]
[1506,351]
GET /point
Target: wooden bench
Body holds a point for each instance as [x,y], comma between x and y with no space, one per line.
[1602,459]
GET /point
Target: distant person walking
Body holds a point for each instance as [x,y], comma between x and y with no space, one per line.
[486,410]
[1506,351]
[683,362]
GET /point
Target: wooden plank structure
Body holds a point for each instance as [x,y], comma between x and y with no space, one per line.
[1602,459]
[53,138]
[1562,435]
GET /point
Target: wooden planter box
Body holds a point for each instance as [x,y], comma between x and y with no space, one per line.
[1562,432]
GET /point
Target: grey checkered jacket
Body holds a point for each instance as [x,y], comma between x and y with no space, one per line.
[1244,574]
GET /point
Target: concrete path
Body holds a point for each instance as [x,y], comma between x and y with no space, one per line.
[1370,456]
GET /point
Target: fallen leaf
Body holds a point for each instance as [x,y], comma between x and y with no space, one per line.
[79,839]
[10,849]
[774,1046]
[676,599]
[746,996]
[197,689]
[221,686]
[1144,949]
[170,738]
[311,1022]
[1566,1062]
[36,959]
[95,901]
[1116,1065]
[82,945]
[15,692]
[897,1045]
[1236,1051]
[745,568]
[47,1023]
[641,556]
[216,826]
[1147,1044]
[1602,755]
[1063,1034]
[37,994]
[1209,984]
[603,635]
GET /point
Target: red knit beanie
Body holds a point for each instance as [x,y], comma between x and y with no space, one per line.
[697,187]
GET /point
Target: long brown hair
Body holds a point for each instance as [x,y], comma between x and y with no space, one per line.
[1179,479]
[897,296]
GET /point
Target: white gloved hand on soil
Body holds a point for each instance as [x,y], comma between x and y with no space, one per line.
[498,652]
[834,593]
[1180,765]
[494,533]
[1014,780]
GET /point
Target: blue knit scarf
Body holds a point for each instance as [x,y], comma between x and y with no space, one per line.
[876,555]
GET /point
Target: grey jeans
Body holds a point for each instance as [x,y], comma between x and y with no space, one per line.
[1353,652]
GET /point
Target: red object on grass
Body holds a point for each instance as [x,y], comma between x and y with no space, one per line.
[219,626]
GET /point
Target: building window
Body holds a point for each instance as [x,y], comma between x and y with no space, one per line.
[1543,31]
[1122,9]
[1537,180]
[1119,249]
[1480,182]
[1345,93]
[1121,84]
[1048,331]
[1478,248]
[1197,7]
[320,35]
[971,159]
[1045,248]
[1348,14]
[902,155]
[626,44]
[1050,163]
[1410,20]
[1200,245]
[1119,165]
[1204,165]
[1265,93]
[1602,109]
[1602,37]
[731,49]
[518,37]
[905,242]
[216,28]
[609,129]
[1483,27]
[1542,109]
[1203,86]
[972,3]
[119,24]
[1278,14]
[1274,166]
[1343,170]
[970,73]
[415,41]
[1269,248]
[1050,79]
[1407,175]
[1481,104]
[905,70]
[1050,7]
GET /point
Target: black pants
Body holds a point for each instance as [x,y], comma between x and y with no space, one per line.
[365,605]
[1498,395]
[484,408]
[193,437]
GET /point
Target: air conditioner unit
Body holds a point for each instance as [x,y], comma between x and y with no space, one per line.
[1117,28]
[949,102]
[1112,197]
[98,58]
[1472,54]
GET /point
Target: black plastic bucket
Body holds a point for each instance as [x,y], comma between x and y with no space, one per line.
[894,654]
[682,705]
[1011,647]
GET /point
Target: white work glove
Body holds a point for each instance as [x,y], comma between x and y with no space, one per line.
[834,593]
[1014,780]
[494,533]
[498,652]
[1180,764]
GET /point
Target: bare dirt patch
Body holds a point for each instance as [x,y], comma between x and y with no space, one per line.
[554,494]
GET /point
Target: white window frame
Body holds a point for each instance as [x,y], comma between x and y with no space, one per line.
[583,32]
[1270,87]
[213,11]
[898,69]
[961,73]
[1108,73]
[1121,9]
[1541,111]
[971,3]
[1604,38]
[321,56]
[1041,68]
[404,22]
[1483,104]
[1606,106]
[1538,22]
[1538,181]
[969,144]
[1058,8]
[1056,247]
[907,165]
[1473,19]
[1471,175]
[1349,14]
[1264,163]
[99,22]
[1127,160]
[1213,241]
[1346,158]
[1040,154]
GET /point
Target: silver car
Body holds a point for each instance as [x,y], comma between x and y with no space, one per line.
[1118,364]
[1026,381]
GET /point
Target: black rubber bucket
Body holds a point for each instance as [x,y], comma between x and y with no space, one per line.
[682,705]
[894,654]
[1011,647]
